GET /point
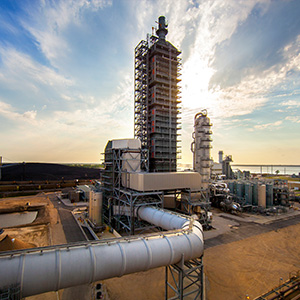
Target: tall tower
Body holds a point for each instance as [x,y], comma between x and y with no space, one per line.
[201,147]
[157,99]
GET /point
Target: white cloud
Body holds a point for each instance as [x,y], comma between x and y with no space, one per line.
[294,119]
[291,103]
[7,111]
[107,116]
[269,126]
[49,20]
[217,22]
[19,71]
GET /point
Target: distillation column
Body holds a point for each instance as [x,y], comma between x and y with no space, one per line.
[201,146]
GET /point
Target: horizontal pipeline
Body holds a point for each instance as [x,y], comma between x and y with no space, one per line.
[50,269]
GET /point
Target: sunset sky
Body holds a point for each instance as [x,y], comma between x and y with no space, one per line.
[67,68]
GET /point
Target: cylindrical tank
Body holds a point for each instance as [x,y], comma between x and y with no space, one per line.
[262,195]
[255,194]
[95,207]
[220,156]
[231,186]
[269,194]
[234,187]
[239,189]
[248,193]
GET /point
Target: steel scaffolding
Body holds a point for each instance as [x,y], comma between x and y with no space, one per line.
[11,293]
[184,280]
[141,93]
[157,99]
[119,203]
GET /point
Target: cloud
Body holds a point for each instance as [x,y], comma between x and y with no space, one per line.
[269,126]
[47,22]
[20,71]
[291,103]
[217,22]
[7,111]
[294,119]
[266,32]
[77,85]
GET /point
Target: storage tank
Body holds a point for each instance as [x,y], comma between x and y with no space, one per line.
[231,186]
[255,194]
[239,189]
[269,194]
[248,193]
[262,195]
[95,207]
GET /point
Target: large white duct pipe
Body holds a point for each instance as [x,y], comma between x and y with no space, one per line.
[50,269]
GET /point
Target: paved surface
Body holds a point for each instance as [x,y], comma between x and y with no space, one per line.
[242,230]
[71,229]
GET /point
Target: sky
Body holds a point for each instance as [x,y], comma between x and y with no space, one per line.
[67,76]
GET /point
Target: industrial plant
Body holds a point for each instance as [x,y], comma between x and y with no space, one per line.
[157,216]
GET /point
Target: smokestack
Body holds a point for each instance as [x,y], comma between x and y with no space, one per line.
[220,156]
[162,30]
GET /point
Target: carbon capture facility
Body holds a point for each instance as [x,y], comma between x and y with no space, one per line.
[158,212]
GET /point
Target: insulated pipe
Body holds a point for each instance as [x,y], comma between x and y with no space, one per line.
[52,268]
[162,218]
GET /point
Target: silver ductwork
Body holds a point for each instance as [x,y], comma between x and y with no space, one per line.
[47,269]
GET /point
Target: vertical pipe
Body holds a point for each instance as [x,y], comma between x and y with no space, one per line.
[166,282]
[170,115]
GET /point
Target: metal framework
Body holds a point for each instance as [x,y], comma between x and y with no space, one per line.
[288,290]
[156,109]
[184,279]
[141,93]
[125,203]
[11,293]
[120,204]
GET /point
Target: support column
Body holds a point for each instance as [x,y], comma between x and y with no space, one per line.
[184,279]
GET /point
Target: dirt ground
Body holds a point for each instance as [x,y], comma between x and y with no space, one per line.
[45,230]
[252,266]
[148,285]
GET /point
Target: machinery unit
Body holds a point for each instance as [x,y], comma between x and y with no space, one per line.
[157,99]
[126,188]
[162,181]
[264,196]
[226,168]
[121,159]
[201,146]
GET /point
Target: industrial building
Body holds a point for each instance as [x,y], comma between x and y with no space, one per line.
[156,103]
